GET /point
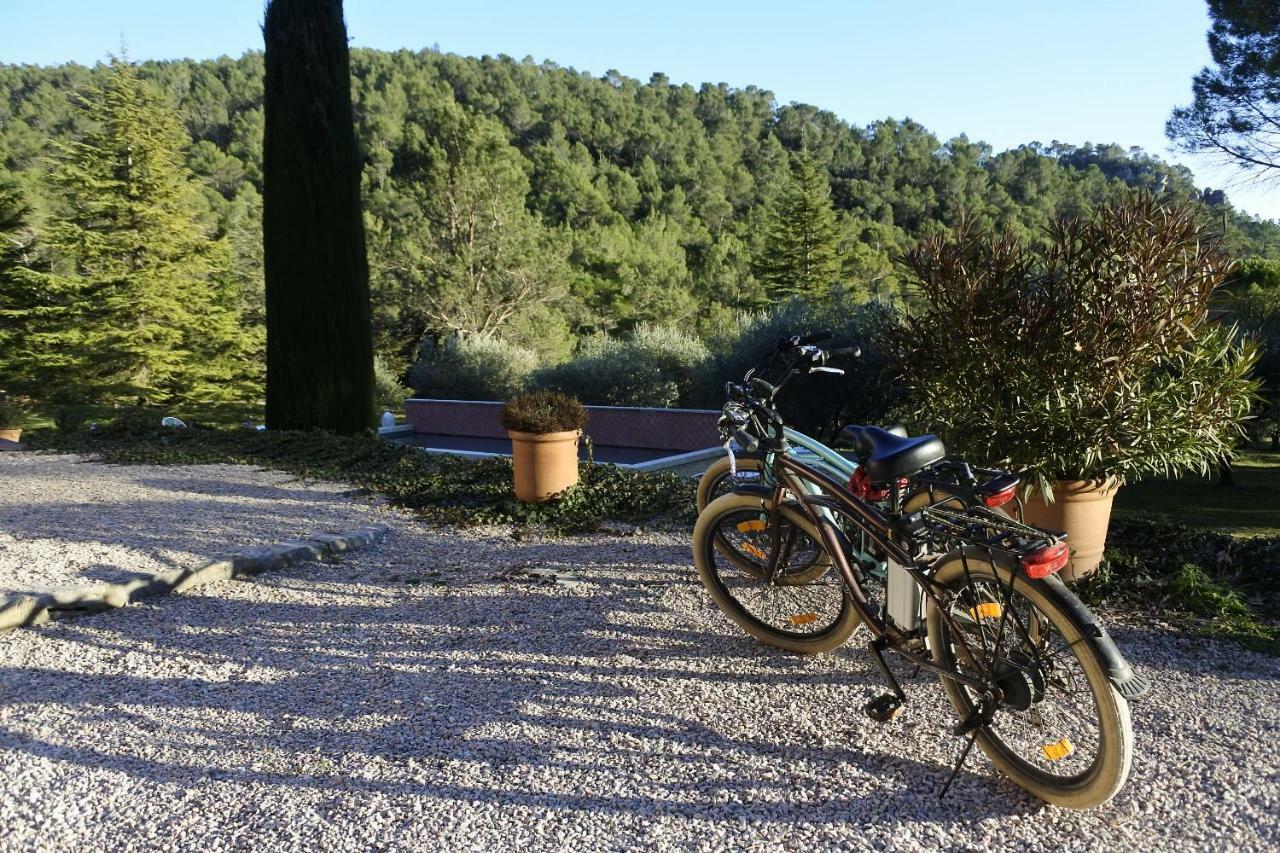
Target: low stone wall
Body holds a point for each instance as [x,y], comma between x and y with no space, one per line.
[25,611]
[677,430]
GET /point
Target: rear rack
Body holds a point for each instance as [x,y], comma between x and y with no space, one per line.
[978,525]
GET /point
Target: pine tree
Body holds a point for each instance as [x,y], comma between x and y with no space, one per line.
[155,316]
[25,299]
[799,256]
[319,339]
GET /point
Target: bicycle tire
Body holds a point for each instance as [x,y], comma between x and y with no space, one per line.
[1103,777]
[841,619]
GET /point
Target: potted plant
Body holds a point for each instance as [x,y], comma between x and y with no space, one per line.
[545,427]
[12,416]
[1081,360]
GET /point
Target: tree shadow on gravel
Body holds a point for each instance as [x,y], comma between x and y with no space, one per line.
[483,686]
[290,488]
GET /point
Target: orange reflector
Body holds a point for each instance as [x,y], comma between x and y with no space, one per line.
[754,551]
[804,618]
[755,525]
[1058,751]
[986,610]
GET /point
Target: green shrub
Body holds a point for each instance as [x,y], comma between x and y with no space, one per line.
[12,414]
[818,404]
[133,421]
[1089,356]
[656,366]
[471,367]
[70,418]
[1198,593]
[388,392]
[542,412]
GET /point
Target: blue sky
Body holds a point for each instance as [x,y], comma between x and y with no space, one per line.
[1001,71]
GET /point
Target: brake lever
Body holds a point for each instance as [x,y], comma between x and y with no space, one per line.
[837,371]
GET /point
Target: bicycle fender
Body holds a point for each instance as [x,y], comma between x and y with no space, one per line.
[1126,679]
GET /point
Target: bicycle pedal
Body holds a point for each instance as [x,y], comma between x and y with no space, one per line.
[883,708]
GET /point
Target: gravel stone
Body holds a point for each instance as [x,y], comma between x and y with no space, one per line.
[66,521]
[442,691]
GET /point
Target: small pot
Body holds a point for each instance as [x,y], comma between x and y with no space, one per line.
[545,464]
[1082,510]
[12,434]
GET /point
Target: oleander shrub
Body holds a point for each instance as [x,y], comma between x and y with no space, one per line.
[1089,355]
[542,412]
[471,367]
[654,366]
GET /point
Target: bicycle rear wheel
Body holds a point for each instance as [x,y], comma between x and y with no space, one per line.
[717,481]
[1060,730]
[803,607]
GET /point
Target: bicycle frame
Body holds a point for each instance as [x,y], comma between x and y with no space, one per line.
[833,499]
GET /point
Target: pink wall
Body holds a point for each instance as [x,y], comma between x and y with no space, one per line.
[678,430]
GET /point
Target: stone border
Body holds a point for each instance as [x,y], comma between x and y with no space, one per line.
[22,611]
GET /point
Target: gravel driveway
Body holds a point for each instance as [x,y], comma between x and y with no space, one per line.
[67,522]
[434,692]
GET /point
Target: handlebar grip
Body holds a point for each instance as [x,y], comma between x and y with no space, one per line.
[746,440]
[816,337]
[853,352]
[763,387]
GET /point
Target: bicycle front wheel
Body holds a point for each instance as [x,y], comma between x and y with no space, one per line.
[802,607]
[1060,730]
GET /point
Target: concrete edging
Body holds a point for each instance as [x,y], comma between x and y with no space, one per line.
[27,610]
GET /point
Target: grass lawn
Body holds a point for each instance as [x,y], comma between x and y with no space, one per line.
[1250,508]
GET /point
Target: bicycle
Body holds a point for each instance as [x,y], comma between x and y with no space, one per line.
[818,608]
[969,594]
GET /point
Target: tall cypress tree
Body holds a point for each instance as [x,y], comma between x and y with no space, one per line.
[142,307]
[800,249]
[319,342]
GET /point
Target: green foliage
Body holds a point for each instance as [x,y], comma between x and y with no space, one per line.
[1236,103]
[439,488]
[12,413]
[1263,273]
[320,338]
[471,367]
[818,404]
[388,393]
[543,411]
[1201,594]
[649,201]
[1219,586]
[800,251]
[1254,302]
[464,248]
[23,304]
[653,366]
[1089,356]
[138,306]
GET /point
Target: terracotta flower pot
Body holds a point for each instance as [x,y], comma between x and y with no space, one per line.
[545,464]
[11,434]
[1082,511]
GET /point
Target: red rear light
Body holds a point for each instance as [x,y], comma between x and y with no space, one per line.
[1046,561]
[1001,497]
